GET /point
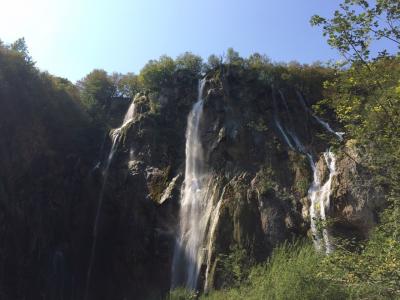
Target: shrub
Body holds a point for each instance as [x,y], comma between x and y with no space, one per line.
[292,272]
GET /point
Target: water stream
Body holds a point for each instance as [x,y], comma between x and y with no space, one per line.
[319,192]
[115,135]
[195,204]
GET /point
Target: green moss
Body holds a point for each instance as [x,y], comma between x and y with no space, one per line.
[302,186]
[258,125]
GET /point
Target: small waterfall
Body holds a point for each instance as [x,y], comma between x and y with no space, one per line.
[115,135]
[279,126]
[326,125]
[196,206]
[130,114]
[339,135]
[319,192]
[320,201]
[283,133]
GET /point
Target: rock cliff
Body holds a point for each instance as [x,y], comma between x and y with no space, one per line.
[258,138]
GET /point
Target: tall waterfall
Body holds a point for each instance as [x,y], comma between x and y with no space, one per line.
[116,134]
[195,205]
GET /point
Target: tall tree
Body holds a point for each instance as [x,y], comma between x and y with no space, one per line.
[21,47]
[97,90]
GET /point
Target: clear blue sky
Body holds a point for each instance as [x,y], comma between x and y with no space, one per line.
[69,38]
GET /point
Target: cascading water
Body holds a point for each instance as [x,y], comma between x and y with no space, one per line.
[320,201]
[279,126]
[326,125]
[195,205]
[318,193]
[116,134]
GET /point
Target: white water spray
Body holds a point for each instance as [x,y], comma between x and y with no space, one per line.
[339,135]
[326,125]
[195,205]
[278,124]
[320,202]
[116,134]
[319,192]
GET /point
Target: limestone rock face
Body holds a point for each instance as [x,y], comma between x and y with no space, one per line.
[258,182]
[255,139]
[356,201]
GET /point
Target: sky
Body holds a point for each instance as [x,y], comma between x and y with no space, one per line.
[70,38]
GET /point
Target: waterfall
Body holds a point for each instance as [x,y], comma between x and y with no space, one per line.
[319,192]
[326,125]
[320,201]
[339,135]
[283,133]
[196,205]
[115,135]
[129,115]
[278,124]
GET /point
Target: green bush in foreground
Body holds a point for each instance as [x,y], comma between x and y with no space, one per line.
[182,294]
[292,272]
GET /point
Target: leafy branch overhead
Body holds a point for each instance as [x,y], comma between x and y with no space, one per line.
[359,24]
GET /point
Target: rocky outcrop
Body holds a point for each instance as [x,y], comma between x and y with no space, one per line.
[356,199]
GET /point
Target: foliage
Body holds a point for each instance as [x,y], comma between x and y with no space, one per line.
[158,73]
[20,46]
[98,87]
[371,273]
[235,266]
[161,73]
[291,271]
[258,125]
[214,62]
[182,294]
[367,103]
[233,57]
[55,101]
[126,85]
[97,90]
[357,24]
[189,62]
[366,99]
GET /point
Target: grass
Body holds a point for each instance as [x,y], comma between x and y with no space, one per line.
[292,272]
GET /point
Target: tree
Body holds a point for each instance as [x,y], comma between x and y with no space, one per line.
[20,46]
[352,30]
[214,62]
[257,61]
[97,90]
[128,85]
[233,57]
[190,62]
[157,73]
[359,23]
[366,99]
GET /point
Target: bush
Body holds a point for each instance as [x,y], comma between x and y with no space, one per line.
[157,73]
[181,294]
[292,272]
